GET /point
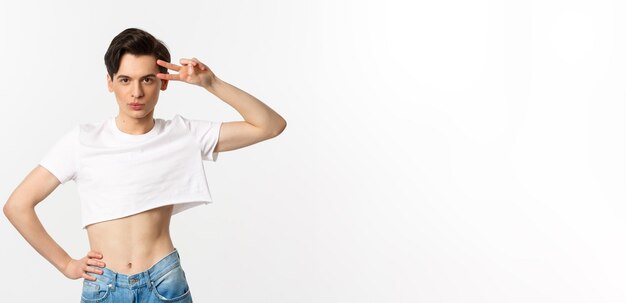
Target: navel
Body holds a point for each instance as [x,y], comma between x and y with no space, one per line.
[129,265]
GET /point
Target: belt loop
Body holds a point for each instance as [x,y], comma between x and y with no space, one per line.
[113,281]
[149,279]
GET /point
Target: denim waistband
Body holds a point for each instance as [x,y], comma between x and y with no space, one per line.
[114,279]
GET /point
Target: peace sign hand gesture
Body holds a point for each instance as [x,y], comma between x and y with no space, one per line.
[192,71]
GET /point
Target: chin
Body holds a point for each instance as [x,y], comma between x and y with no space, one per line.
[135,114]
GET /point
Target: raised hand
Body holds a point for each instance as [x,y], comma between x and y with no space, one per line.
[192,71]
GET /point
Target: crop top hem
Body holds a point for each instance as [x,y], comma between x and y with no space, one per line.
[180,204]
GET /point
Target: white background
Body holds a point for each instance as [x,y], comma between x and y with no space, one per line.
[436,151]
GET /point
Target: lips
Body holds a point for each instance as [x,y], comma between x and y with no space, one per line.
[136,106]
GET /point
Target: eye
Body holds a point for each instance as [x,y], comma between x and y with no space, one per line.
[124,80]
[148,80]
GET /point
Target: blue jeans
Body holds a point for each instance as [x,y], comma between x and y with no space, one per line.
[165,281]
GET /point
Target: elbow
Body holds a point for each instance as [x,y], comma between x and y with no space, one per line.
[11,213]
[273,129]
[7,210]
[280,128]
[10,210]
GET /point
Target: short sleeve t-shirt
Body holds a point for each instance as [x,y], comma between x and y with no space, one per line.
[119,174]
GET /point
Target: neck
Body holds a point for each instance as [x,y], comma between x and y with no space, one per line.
[134,126]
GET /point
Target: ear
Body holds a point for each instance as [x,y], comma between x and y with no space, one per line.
[109,83]
[164,84]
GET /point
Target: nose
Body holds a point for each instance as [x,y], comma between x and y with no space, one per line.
[137,91]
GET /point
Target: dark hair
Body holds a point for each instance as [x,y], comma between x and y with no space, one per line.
[137,42]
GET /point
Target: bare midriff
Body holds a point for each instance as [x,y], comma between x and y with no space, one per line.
[132,244]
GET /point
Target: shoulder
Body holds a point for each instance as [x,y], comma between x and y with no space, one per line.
[189,124]
[86,132]
[178,118]
[90,127]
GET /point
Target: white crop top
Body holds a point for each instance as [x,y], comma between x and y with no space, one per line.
[119,174]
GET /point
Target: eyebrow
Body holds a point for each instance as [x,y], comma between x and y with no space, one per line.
[149,75]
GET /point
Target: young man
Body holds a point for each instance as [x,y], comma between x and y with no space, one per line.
[134,171]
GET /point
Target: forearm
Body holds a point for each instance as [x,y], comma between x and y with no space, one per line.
[28,225]
[252,109]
